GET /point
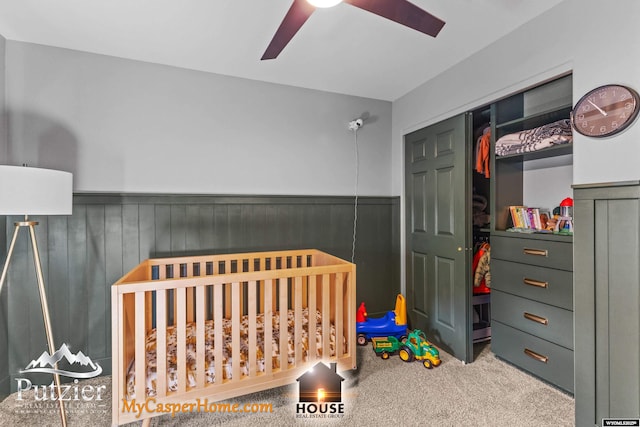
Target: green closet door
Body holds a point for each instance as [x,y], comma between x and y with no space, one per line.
[437,174]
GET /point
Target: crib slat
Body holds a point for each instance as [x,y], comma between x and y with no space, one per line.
[236,313]
[274,303]
[339,319]
[218,331]
[253,343]
[284,324]
[305,283]
[297,341]
[268,326]
[227,291]
[200,329]
[161,342]
[140,353]
[181,328]
[261,304]
[326,318]
[190,306]
[313,346]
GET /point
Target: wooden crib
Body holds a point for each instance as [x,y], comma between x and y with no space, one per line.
[164,298]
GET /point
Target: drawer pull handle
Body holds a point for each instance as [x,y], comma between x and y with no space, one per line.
[537,283]
[532,354]
[537,319]
[536,252]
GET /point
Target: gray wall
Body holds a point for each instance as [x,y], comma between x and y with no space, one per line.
[107,235]
[4,373]
[130,126]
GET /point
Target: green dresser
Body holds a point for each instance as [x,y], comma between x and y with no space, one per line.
[532,304]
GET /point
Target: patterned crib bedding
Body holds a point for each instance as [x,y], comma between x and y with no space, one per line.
[210,374]
[535,139]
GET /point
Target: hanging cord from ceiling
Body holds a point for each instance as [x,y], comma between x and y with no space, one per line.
[355,203]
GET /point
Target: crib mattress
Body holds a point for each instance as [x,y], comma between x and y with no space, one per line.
[210,374]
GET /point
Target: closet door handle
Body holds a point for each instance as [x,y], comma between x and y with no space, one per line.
[536,252]
[537,283]
[532,354]
[535,318]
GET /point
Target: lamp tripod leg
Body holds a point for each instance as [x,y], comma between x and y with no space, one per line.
[47,319]
[5,269]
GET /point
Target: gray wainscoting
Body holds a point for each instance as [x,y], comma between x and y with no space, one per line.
[4,355]
[108,234]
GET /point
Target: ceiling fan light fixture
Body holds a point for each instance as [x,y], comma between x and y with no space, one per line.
[324,3]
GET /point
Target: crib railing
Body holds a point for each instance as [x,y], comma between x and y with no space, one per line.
[174,292]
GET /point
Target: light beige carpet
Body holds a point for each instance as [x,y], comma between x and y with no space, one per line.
[488,392]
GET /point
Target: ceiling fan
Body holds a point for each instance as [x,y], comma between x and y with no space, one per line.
[400,11]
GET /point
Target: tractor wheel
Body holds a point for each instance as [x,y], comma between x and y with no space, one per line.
[427,364]
[406,354]
[362,339]
[385,355]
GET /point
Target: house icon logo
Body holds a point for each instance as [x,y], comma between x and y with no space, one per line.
[320,392]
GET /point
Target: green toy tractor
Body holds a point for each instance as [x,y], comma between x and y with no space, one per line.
[416,347]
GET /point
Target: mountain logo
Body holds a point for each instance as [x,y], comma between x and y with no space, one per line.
[48,364]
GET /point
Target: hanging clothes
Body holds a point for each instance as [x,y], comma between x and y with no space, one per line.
[481,269]
[483,146]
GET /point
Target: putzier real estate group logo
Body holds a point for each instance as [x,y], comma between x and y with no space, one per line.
[80,366]
[320,393]
[62,362]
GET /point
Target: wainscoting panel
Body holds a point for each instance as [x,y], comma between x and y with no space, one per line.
[108,234]
[4,355]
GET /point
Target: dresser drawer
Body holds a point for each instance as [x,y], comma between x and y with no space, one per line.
[542,358]
[542,284]
[542,320]
[544,253]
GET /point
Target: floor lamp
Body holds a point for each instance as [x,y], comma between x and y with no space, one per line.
[33,191]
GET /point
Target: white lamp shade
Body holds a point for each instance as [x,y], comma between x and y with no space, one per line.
[324,3]
[35,191]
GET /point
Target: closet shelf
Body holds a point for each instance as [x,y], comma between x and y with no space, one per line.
[556,150]
[536,119]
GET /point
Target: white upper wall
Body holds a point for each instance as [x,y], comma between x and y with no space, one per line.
[556,42]
[128,126]
[3,123]
[606,50]
[533,53]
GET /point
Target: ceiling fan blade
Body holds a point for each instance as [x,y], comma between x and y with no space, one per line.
[402,12]
[297,15]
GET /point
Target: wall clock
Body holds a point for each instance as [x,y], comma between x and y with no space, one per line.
[605,111]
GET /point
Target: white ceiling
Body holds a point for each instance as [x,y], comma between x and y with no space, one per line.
[342,49]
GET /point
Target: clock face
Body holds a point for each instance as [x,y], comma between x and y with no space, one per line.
[605,111]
